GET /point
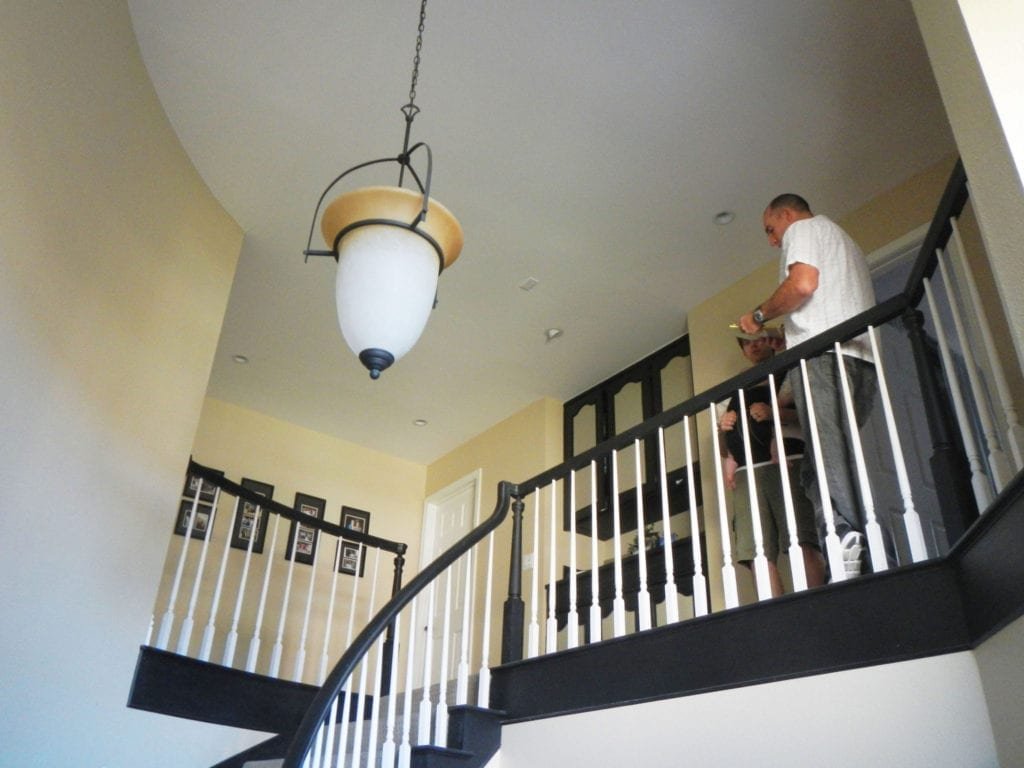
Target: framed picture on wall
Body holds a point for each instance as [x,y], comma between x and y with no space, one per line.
[194,483]
[303,538]
[355,519]
[251,521]
[353,558]
[202,524]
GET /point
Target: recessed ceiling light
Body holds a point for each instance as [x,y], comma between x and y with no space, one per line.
[529,284]
[724,217]
[240,359]
[551,334]
[420,423]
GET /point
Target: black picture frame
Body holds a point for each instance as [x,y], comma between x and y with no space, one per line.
[355,519]
[303,537]
[207,491]
[204,518]
[350,556]
[251,520]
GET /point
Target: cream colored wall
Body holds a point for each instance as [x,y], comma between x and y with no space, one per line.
[516,449]
[715,355]
[244,443]
[116,267]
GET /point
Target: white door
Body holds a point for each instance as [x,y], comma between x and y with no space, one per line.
[449,515]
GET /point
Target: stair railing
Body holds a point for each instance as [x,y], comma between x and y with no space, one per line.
[266,587]
[574,578]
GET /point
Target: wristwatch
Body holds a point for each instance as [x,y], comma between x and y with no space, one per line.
[758,316]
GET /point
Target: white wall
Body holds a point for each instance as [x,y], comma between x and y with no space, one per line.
[928,713]
[115,267]
[1001,662]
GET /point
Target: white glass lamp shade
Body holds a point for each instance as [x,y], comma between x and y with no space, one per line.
[387,273]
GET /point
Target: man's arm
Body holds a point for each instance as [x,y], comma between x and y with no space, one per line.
[800,284]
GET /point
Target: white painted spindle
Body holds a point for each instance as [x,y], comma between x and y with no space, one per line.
[483,693]
[346,689]
[533,631]
[997,459]
[441,711]
[329,739]
[729,589]
[387,755]
[275,657]
[833,549]
[761,578]
[185,635]
[329,624]
[979,480]
[1014,430]
[873,531]
[364,668]
[618,602]
[462,671]
[643,596]
[551,636]
[911,519]
[300,657]
[254,642]
[167,622]
[671,599]
[426,713]
[700,583]
[572,621]
[796,555]
[206,644]
[405,743]
[595,582]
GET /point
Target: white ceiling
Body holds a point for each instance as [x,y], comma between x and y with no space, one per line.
[584,143]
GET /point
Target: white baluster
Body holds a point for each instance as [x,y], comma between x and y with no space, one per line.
[595,582]
[552,623]
[426,708]
[329,624]
[833,548]
[533,631]
[997,459]
[149,630]
[729,589]
[700,583]
[357,742]
[318,745]
[441,711]
[167,622]
[618,602]
[979,480]
[876,546]
[346,689]
[1014,431]
[254,642]
[329,740]
[483,693]
[643,597]
[387,755]
[462,671]
[371,749]
[300,657]
[275,657]
[761,578]
[796,555]
[572,618]
[405,744]
[671,599]
[206,644]
[185,636]
[911,519]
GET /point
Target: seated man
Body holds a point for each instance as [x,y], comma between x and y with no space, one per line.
[767,477]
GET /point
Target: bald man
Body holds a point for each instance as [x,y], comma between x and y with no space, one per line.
[823,281]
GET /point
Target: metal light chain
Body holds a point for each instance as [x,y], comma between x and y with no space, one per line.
[410,110]
[416,58]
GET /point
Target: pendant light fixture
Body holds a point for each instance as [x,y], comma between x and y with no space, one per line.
[391,245]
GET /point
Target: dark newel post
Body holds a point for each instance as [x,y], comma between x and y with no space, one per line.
[389,639]
[512,625]
[950,470]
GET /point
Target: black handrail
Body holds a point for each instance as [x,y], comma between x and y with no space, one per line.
[321,704]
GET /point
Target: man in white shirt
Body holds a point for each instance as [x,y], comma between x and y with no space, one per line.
[823,281]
